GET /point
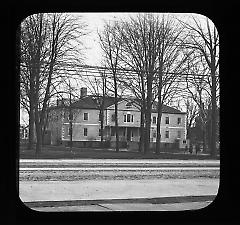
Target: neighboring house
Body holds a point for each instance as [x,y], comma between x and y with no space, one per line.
[86,124]
[23,134]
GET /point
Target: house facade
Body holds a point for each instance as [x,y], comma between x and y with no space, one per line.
[86,124]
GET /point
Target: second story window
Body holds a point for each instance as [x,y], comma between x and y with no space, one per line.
[85,116]
[69,131]
[113,117]
[70,117]
[167,120]
[179,120]
[128,118]
[154,120]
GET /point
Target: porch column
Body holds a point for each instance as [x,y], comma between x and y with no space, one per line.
[110,133]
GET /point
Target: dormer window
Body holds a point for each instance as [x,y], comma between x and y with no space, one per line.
[129,105]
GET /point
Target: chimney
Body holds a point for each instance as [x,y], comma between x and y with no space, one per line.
[83,92]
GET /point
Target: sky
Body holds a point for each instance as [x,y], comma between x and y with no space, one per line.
[95,22]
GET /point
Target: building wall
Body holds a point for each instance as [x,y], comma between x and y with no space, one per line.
[173,127]
[92,125]
[124,110]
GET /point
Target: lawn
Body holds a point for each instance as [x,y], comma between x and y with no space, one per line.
[60,152]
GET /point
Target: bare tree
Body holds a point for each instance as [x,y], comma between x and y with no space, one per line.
[111,45]
[47,40]
[198,89]
[171,65]
[140,52]
[205,40]
[134,79]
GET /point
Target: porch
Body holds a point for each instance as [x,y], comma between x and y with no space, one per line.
[128,137]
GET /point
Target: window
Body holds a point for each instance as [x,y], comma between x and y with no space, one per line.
[99,132]
[167,134]
[70,117]
[113,117]
[178,120]
[154,120]
[129,105]
[85,116]
[85,131]
[99,117]
[69,131]
[179,134]
[167,120]
[128,118]
[154,134]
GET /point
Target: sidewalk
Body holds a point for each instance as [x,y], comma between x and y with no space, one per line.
[30,191]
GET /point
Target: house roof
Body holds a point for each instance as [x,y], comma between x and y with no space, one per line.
[91,102]
[167,109]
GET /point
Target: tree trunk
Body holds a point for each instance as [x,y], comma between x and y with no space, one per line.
[31,127]
[38,133]
[213,114]
[148,113]
[116,112]
[31,109]
[141,144]
[147,128]
[116,126]
[102,109]
[204,138]
[102,126]
[158,140]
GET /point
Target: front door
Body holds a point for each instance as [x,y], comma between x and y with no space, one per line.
[129,134]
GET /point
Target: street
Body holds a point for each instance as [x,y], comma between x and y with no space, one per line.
[125,181]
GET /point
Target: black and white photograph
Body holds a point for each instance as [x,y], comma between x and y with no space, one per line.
[118,112]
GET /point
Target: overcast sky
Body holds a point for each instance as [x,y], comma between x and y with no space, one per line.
[95,22]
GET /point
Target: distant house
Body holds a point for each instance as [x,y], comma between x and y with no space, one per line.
[86,123]
[23,134]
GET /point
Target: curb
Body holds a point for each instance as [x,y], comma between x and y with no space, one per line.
[162,200]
